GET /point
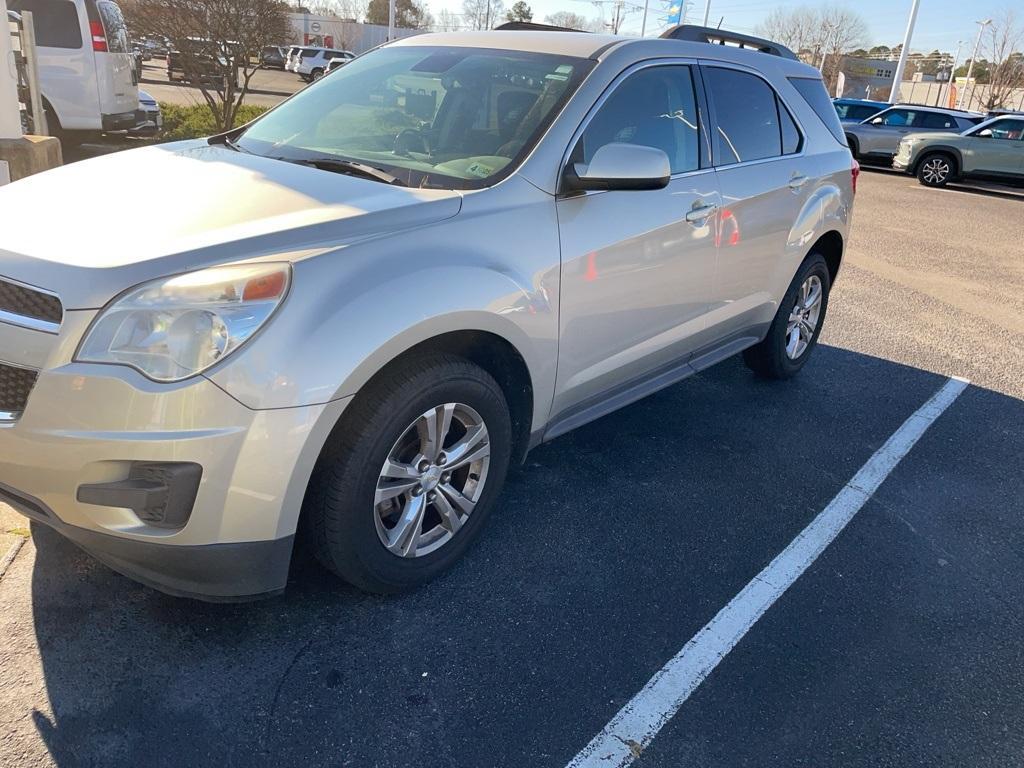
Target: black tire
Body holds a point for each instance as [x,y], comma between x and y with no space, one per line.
[936,169]
[854,146]
[769,358]
[315,75]
[339,513]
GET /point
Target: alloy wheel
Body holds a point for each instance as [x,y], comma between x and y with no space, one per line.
[803,318]
[432,480]
[936,170]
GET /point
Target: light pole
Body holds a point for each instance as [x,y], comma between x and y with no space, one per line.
[898,77]
[707,11]
[391,20]
[952,70]
[970,67]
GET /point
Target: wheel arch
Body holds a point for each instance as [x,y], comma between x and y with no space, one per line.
[940,149]
[830,245]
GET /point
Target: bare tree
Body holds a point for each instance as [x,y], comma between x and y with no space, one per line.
[447,21]
[482,14]
[572,20]
[820,36]
[216,43]
[1002,45]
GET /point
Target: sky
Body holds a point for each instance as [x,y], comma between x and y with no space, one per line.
[940,23]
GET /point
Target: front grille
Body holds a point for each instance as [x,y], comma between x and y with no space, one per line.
[26,302]
[15,386]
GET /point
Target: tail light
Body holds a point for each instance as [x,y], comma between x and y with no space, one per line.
[99,36]
[855,174]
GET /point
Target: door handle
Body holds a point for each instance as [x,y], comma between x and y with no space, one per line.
[797,181]
[700,213]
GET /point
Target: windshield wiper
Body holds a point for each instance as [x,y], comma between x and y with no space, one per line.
[350,167]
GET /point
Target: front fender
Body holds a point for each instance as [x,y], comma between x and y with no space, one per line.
[353,310]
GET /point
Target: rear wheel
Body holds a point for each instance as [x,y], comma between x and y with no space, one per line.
[794,332]
[316,74]
[408,480]
[854,146]
[936,169]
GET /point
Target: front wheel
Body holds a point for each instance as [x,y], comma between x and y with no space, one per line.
[794,332]
[409,478]
[316,74]
[935,170]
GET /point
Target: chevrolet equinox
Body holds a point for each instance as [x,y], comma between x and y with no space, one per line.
[367,304]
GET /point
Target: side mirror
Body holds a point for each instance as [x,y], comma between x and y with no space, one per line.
[986,134]
[620,166]
[877,121]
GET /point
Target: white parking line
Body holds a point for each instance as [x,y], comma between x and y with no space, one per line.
[638,722]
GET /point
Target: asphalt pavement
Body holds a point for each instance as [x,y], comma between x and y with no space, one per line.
[615,544]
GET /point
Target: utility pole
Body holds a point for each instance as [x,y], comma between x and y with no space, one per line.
[643,25]
[10,115]
[970,67]
[894,92]
[952,71]
[391,20]
[707,12]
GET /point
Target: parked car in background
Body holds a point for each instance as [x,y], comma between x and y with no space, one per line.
[87,70]
[878,137]
[992,150]
[273,57]
[200,60]
[857,110]
[337,63]
[313,62]
[148,119]
[453,249]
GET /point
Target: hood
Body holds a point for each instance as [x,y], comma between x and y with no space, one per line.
[91,229]
[937,135]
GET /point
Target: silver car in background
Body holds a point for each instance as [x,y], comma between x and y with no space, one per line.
[879,136]
[372,301]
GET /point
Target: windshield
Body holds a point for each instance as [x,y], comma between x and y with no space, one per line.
[454,118]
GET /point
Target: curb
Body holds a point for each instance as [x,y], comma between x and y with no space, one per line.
[11,554]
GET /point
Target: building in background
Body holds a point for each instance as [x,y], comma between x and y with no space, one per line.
[865,78]
[345,34]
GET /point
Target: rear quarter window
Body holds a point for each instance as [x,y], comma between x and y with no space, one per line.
[813,92]
[56,22]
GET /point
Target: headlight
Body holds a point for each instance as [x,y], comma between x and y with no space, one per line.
[176,327]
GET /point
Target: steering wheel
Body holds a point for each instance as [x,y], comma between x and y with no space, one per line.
[410,139]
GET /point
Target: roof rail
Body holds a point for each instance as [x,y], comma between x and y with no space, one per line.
[938,107]
[531,26]
[695,34]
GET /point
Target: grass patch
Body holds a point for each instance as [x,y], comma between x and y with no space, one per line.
[23,532]
[196,121]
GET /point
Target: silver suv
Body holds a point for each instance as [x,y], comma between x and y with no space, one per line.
[879,136]
[369,303]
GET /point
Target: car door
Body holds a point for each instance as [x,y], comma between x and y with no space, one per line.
[764,178]
[637,265]
[997,148]
[886,129]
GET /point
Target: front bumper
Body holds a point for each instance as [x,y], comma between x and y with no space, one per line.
[122,121]
[87,424]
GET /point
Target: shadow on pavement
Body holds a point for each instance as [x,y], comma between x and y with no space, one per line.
[613,546]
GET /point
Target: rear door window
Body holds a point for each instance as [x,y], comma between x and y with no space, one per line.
[747,112]
[56,22]
[114,26]
[937,120]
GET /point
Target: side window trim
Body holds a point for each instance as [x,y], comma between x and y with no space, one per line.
[713,127]
[703,114]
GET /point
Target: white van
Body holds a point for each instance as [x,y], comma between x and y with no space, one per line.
[86,69]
